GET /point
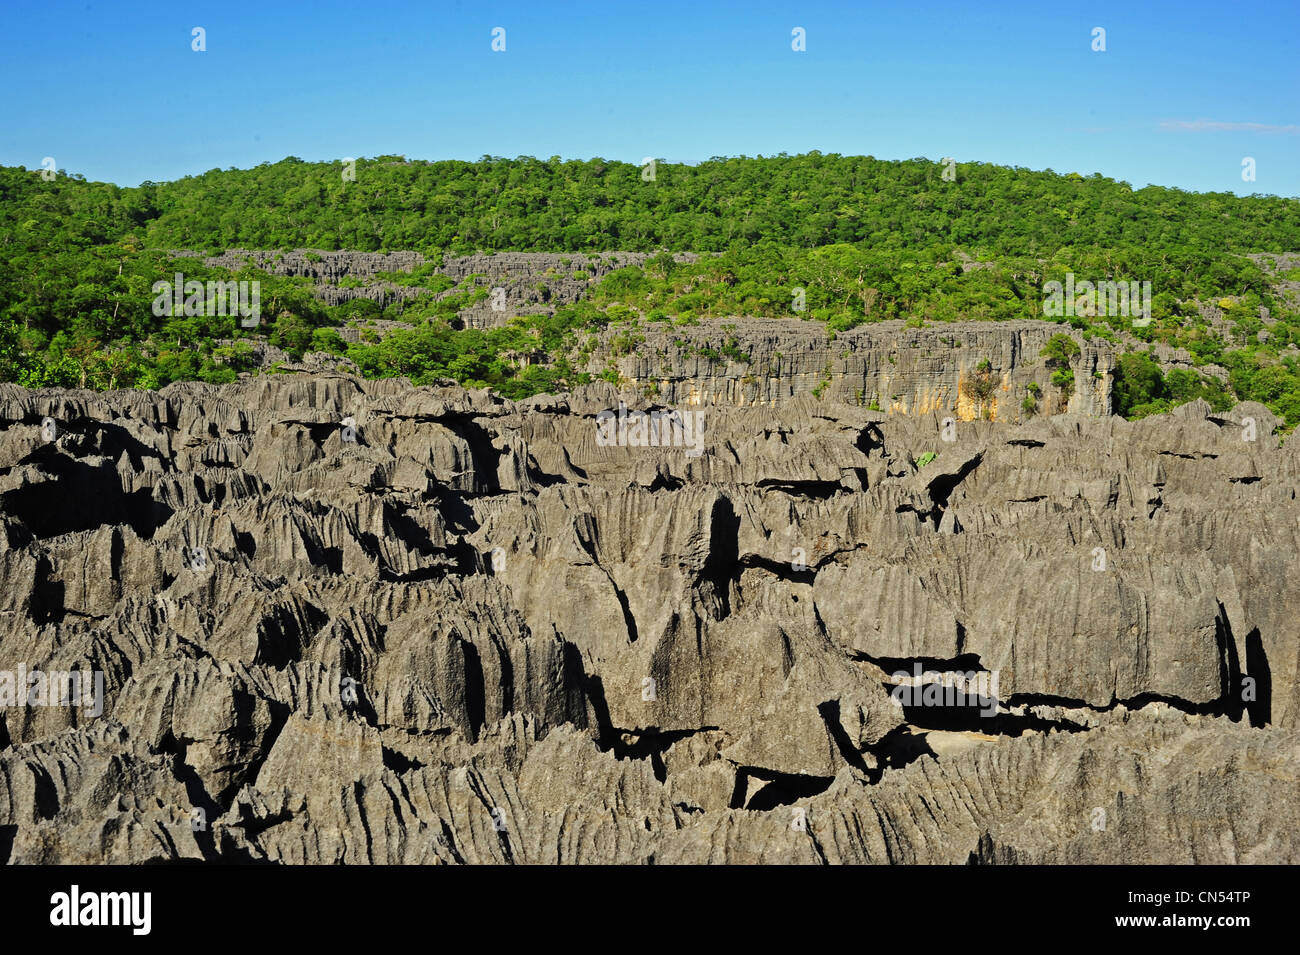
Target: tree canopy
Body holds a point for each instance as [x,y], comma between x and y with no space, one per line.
[842,239]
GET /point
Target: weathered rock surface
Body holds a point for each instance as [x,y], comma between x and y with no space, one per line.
[536,282]
[461,629]
[887,365]
[530,282]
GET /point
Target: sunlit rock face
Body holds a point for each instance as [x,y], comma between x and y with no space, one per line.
[354,621]
[886,366]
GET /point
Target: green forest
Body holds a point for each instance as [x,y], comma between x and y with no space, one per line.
[864,239]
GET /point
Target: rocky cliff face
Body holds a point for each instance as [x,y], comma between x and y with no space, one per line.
[534,282]
[530,282]
[316,264]
[888,366]
[748,361]
[348,621]
[327,270]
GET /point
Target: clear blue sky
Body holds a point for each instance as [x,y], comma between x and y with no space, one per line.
[1184,91]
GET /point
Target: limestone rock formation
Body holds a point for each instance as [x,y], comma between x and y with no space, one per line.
[530,282]
[885,365]
[354,621]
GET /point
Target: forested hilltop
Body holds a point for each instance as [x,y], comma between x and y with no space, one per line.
[803,201]
[865,239]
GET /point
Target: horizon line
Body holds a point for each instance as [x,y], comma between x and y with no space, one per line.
[690,163]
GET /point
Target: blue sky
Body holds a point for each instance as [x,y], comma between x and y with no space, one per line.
[1183,92]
